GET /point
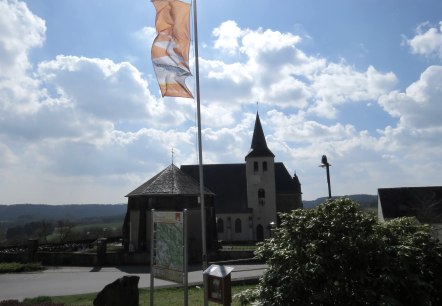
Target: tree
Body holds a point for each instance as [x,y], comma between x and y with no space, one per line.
[45,228]
[64,230]
[337,254]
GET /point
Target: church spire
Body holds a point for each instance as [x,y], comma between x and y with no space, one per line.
[259,145]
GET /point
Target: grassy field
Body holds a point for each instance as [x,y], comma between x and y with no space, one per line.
[162,297]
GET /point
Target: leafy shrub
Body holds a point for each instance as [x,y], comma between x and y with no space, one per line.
[247,296]
[338,255]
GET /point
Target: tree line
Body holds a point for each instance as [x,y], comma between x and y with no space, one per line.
[56,231]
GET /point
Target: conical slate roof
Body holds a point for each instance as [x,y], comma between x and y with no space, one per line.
[169,181]
[259,145]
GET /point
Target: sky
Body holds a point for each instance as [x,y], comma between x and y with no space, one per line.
[82,119]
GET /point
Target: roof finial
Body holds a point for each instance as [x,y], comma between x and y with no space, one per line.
[172,155]
[257,106]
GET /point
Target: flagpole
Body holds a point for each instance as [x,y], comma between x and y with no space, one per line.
[200,153]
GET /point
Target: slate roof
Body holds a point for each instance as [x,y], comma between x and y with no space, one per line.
[259,145]
[424,203]
[228,182]
[170,181]
[284,183]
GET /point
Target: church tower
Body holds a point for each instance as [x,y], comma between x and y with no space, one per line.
[261,191]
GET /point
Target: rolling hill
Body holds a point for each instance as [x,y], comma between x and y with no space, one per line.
[364,200]
[34,212]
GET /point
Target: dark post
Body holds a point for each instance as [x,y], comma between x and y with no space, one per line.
[101,251]
[327,168]
[32,249]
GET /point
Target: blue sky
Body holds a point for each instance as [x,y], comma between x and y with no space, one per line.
[82,120]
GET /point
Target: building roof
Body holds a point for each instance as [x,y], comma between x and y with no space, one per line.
[170,181]
[284,183]
[228,182]
[259,145]
[424,203]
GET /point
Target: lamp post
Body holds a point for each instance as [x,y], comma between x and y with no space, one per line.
[271,227]
[324,163]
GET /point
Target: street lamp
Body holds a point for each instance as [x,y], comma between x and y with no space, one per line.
[271,227]
[324,163]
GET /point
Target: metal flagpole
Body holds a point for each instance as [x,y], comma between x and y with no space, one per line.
[152,256]
[200,150]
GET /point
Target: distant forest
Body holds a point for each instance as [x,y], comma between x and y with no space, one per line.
[29,212]
[59,223]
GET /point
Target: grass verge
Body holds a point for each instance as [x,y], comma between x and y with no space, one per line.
[162,297]
[16,267]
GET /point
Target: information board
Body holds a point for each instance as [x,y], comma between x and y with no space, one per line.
[168,245]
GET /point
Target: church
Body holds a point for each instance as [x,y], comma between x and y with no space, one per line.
[249,195]
[242,200]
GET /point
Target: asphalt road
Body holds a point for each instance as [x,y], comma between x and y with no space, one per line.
[77,280]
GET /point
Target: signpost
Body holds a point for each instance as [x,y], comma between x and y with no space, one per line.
[169,249]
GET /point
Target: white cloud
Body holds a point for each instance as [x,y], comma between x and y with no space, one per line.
[337,84]
[123,93]
[419,106]
[77,121]
[146,35]
[276,72]
[20,30]
[427,41]
[227,35]
[418,132]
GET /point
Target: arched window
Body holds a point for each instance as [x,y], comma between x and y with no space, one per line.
[264,166]
[255,166]
[238,225]
[220,225]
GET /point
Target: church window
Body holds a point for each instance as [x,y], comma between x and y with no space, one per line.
[255,166]
[261,196]
[220,225]
[264,166]
[238,226]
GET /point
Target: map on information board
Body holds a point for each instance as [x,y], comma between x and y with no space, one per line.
[168,246]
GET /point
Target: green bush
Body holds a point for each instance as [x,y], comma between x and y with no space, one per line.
[338,255]
[16,267]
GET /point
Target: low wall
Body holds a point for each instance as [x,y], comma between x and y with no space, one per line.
[110,258]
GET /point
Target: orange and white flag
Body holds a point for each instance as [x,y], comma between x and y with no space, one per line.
[170,49]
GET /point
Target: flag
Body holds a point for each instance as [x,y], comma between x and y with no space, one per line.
[170,49]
